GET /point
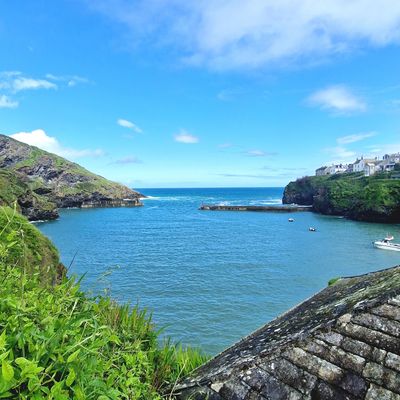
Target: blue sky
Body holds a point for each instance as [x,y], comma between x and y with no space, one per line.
[177,93]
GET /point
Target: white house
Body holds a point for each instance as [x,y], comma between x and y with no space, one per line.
[320,171]
[359,164]
[370,169]
[336,169]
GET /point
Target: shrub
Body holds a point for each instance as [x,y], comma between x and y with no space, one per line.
[58,343]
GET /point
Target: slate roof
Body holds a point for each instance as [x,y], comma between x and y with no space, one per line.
[342,343]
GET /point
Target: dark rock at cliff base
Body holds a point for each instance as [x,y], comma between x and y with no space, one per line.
[373,199]
[17,193]
[42,181]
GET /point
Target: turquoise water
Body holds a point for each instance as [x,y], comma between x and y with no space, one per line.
[213,277]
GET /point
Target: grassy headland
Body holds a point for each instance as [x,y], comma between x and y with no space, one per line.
[41,182]
[375,198]
[58,343]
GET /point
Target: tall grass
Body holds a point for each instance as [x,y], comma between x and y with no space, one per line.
[58,343]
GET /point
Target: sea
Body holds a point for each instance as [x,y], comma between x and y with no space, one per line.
[210,278]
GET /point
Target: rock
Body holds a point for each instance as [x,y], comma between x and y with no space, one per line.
[373,199]
[43,182]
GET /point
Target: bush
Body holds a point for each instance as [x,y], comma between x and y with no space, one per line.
[58,343]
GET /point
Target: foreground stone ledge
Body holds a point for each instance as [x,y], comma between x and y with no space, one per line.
[343,343]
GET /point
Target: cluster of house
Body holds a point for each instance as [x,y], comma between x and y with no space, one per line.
[369,166]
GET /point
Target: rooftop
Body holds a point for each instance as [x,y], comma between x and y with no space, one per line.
[342,343]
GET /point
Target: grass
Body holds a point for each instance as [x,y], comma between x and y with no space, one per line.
[58,343]
[353,195]
[13,189]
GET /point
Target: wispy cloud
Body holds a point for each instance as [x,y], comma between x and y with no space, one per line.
[130,125]
[381,149]
[355,138]
[338,99]
[186,137]
[259,32]
[258,153]
[22,83]
[340,154]
[40,139]
[6,102]
[127,160]
[70,80]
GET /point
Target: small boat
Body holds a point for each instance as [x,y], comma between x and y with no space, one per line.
[312,229]
[291,219]
[387,244]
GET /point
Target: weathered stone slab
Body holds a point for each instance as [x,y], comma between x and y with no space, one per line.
[315,365]
[388,311]
[393,361]
[291,375]
[335,355]
[378,323]
[379,393]
[356,347]
[324,391]
[384,377]
[372,337]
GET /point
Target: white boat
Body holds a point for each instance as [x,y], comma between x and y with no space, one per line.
[387,244]
[291,219]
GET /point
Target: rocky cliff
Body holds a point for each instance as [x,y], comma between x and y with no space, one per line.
[373,199]
[41,182]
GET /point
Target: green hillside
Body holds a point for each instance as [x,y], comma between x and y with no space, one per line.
[375,198]
[41,182]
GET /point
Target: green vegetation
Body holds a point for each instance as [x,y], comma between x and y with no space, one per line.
[374,198]
[14,191]
[58,343]
[27,248]
[332,281]
[41,181]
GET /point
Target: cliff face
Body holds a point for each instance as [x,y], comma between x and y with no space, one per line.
[373,199]
[42,181]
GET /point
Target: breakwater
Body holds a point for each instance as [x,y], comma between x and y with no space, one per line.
[111,203]
[279,208]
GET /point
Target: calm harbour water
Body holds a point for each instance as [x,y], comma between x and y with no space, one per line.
[212,277]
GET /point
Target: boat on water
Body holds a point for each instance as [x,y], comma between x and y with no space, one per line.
[387,244]
[291,219]
[312,229]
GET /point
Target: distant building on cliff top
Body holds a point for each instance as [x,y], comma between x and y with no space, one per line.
[343,343]
[332,169]
[368,166]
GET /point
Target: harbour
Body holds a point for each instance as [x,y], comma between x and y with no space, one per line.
[271,208]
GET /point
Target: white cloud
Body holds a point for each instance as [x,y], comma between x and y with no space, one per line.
[6,102]
[382,149]
[128,124]
[186,137]
[40,139]
[256,153]
[338,99]
[228,34]
[355,138]
[341,154]
[22,83]
[71,80]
